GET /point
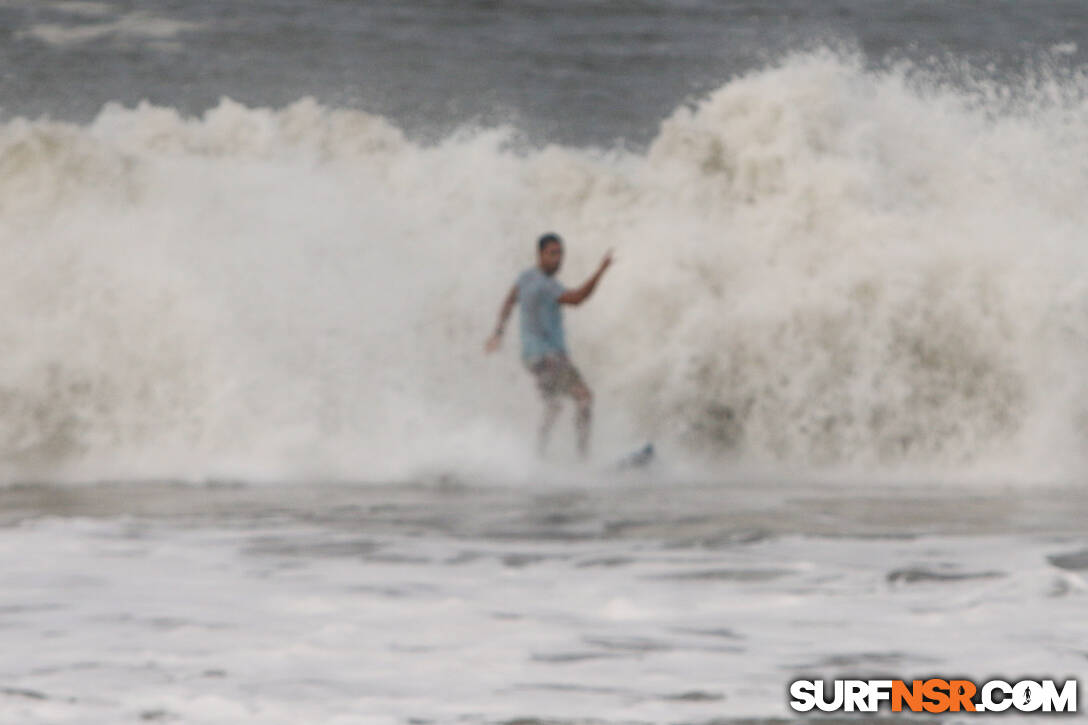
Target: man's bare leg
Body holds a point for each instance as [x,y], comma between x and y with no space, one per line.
[583,418]
[547,422]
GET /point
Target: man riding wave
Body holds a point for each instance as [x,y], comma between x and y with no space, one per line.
[543,343]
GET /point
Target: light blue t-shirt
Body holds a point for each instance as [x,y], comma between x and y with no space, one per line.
[541,320]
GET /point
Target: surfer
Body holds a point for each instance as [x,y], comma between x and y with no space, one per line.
[543,345]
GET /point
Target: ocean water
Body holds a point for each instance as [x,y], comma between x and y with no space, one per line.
[254,466]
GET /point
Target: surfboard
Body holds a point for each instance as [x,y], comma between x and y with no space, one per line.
[639,458]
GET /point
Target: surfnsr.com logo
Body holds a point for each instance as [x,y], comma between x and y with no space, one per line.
[934,695]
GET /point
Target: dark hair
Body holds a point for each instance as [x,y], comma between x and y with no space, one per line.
[549,238]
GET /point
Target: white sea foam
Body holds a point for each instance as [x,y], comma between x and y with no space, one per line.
[816,265]
[115,621]
[138,25]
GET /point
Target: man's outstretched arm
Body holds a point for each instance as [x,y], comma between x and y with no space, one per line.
[578,295]
[495,340]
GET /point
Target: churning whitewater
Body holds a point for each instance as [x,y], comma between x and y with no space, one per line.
[818,264]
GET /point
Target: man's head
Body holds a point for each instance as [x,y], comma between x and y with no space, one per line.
[549,253]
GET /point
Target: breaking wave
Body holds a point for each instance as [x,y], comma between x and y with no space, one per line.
[817,265]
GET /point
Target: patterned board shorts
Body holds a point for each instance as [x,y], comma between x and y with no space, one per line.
[556,376]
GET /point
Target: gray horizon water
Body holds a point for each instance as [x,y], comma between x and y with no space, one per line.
[571,72]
